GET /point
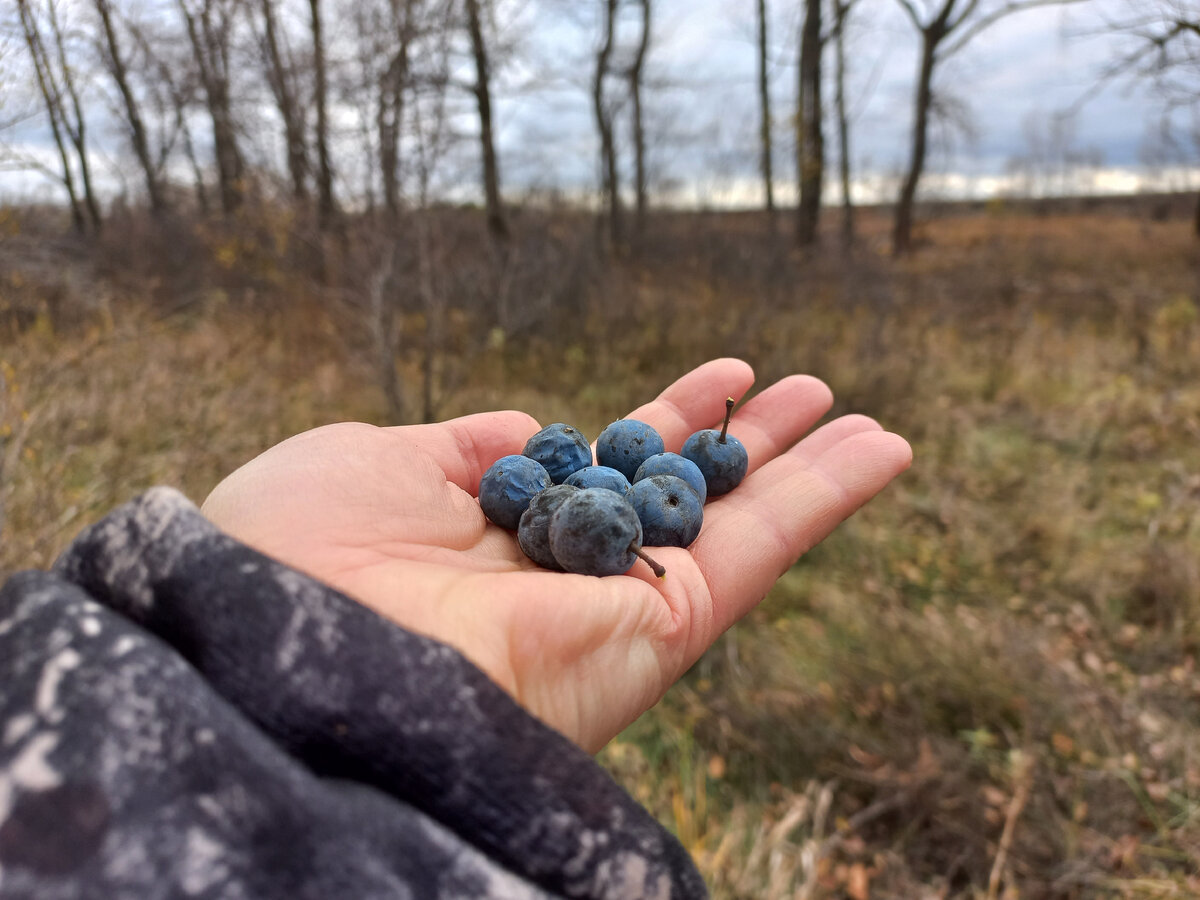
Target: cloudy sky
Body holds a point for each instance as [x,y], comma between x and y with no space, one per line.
[1007,87]
[1009,84]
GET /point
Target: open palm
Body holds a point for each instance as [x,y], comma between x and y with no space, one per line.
[389,516]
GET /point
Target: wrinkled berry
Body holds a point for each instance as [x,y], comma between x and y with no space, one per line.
[533,533]
[507,487]
[561,448]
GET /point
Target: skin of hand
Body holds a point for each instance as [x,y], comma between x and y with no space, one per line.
[389,517]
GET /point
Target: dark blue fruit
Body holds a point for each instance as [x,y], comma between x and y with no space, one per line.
[674,464]
[670,511]
[601,477]
[596,532]
[533,533]
[561,449]
[720,456]
[507,487]
[722,464]
[626,444]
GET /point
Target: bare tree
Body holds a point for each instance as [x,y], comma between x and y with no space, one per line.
[1165,49]
[326,208]
[281,78]
[75,121]
[209,27]
[810,143]
[114,60]
[173,90]
[392,84]
[936,23]
[764,105]
[636,71]
[52,98]
[841,13]
[604,124]
[482,89]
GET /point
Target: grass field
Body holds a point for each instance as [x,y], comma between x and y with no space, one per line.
[983,685]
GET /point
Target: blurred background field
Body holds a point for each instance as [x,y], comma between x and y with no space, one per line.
[983,685]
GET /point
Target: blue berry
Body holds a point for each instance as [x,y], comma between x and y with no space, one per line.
[507,487]
[596,532]
[533,533]
[722,464]
[679,466]
[670,511]
[719,455]
[601,477]
[561,449]
[626,444]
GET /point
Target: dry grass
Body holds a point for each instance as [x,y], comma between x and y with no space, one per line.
[984,685]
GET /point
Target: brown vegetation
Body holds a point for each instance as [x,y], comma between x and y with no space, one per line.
[983,685]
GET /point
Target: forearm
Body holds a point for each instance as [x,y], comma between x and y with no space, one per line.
[202,716]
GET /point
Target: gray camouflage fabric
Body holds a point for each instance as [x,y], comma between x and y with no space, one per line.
[181,716]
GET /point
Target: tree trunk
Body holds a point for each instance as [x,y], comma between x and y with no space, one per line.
[902,231]
[279,78]
[325,203]
[483,98]
[53,101]
[1196,221]
[383,324]
[78,133]
[387,123]
[608,150]
[764,103]
[189,150]
[639,135]
[133,117]
[811,144]
[210,47]
[389,117]
[842,11]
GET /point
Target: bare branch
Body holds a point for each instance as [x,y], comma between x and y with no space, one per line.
[987,21]
[915,16]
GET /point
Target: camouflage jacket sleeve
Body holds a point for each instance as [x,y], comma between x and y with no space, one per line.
[182,716]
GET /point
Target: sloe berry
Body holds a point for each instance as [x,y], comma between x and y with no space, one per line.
[507,487]
[626,444]
[600,477]
[595,532]
[719,455]
[533,533]
[679,466]
[670,511]
[561,448]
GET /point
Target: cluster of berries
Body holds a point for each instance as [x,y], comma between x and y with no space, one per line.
[593,519]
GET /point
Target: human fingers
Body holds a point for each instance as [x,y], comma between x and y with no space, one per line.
[696,400]
[773,420]
[831,434]
[464,448]
[790,504]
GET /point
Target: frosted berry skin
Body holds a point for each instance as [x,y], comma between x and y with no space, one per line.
[722,464]
[670,511]
[679,466]
[507,487]
[626,444]
[562,449]
[601,477]
[593,533]
[533,532]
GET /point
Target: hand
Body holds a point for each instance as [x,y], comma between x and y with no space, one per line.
[389,516]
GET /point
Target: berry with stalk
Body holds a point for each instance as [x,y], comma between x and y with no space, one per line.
[721,457]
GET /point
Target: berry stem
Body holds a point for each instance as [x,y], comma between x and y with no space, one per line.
[728,413]
[659,571]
